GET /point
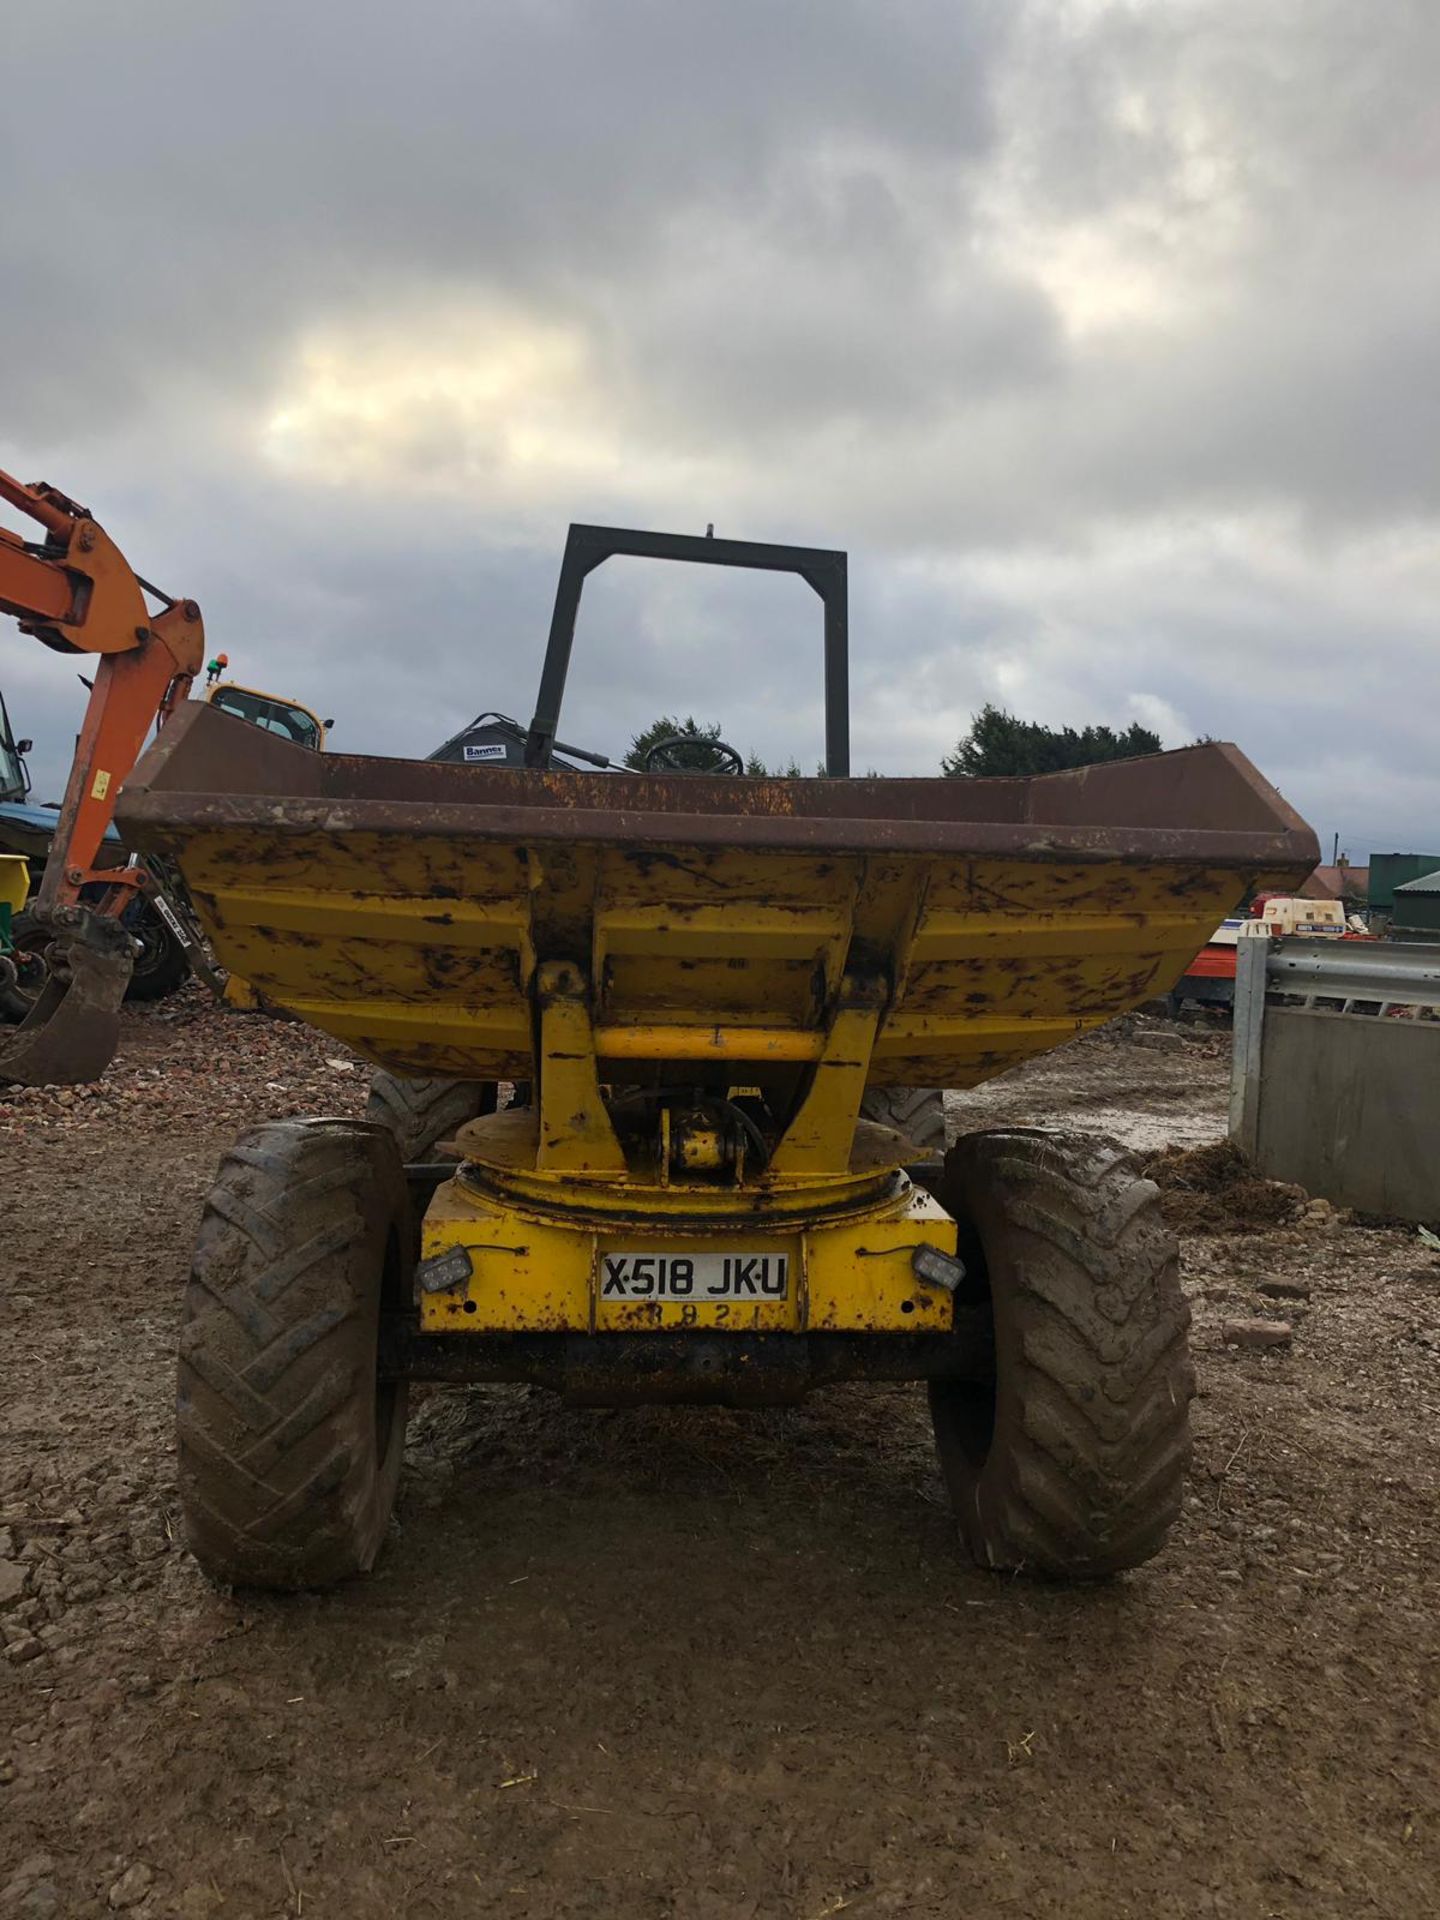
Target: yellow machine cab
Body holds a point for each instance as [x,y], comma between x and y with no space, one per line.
[274,715]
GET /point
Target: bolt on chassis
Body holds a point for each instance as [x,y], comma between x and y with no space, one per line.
[686,982]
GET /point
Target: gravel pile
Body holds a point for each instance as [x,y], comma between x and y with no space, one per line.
[185,1062]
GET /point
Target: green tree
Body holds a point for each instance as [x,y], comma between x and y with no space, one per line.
[697,757]
[998,743]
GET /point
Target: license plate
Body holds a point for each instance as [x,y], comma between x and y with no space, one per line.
[168,915]
[694,1276]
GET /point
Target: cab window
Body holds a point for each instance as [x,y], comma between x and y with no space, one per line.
[275,716]
[13,784]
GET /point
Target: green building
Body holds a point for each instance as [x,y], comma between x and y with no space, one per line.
[1391,870]
[1416,911]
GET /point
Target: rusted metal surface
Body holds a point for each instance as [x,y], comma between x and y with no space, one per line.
[70,1035]
[410,908]
[208,771]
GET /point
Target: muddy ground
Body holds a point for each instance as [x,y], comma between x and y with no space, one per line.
[706,1665]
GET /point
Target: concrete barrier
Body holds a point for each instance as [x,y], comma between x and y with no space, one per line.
[1336,1075]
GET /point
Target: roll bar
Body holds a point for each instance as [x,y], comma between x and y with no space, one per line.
[823,568]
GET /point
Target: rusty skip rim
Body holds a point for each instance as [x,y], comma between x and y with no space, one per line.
[151,817]
[209,772]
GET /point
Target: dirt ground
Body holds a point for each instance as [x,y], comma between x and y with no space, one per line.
[703,1665]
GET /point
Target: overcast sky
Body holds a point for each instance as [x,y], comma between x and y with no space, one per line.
[1104,337]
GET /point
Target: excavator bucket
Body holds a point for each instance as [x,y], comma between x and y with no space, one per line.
[70,1035]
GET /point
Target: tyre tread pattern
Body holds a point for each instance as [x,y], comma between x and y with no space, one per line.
[420,1113]
[1087,1467]
[284,1480]
[168,968]
[917,1112]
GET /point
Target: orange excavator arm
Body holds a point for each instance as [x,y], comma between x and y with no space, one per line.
[74,590]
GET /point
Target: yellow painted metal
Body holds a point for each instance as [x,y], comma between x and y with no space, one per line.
[14,881]
[537,1244]
[416,951]
[819,1136]
[637,985]
[216,696]
[698,1149]
[240,996]
[575,1131]
[503,1148]
[765,1046]
[420,950]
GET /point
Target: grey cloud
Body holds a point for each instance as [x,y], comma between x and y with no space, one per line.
[821,264]
[221,173]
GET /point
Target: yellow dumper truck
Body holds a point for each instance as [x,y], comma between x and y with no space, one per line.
[675,989]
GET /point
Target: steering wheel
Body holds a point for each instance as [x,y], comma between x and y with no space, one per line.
[665,756]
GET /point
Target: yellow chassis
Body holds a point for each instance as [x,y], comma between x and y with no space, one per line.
[536,1259]
[519,1239]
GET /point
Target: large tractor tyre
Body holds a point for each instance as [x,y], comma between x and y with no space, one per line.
[419,1114]
[15,1003]
[1070,1460]
[917,1112]
[162,965]
[29,942]
[289,1440]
